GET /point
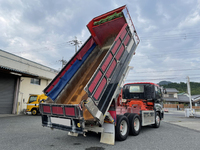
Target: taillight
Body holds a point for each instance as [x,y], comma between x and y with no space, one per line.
[69,111]
[57,110]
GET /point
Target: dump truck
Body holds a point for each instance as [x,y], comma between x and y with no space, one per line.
[33,103]
[83,95]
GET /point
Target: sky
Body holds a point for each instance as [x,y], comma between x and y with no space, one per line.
[169,32]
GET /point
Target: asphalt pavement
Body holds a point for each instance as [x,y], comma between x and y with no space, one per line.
[178,118]
[24,132]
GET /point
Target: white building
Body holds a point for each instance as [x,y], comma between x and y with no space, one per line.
[20,78]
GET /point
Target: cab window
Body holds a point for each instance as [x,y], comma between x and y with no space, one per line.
[32,99]
[136,89]
[158,92]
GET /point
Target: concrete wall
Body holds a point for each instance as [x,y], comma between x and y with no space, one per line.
[175,95]
[27,88]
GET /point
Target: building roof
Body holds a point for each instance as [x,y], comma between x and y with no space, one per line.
[183,98]
[16,72]
[22,58]
[13,64]
[171,90]
[171,99]
[195,98]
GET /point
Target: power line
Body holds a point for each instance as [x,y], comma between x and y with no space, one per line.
[172,52]
[162,79]
[169,70]
[135,75]
[187,29]
[173,35]
[175,51]
[168,39]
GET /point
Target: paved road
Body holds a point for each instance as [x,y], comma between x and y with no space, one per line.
[178,118]
[26,133]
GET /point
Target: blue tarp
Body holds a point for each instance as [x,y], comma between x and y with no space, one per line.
[68,75]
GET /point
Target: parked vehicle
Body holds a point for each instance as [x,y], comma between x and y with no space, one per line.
[33,103]
[139,104]
[84,96]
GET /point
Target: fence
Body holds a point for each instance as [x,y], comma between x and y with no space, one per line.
[181,106]
[173,105]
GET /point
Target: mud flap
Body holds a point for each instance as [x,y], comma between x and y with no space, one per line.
[108,134]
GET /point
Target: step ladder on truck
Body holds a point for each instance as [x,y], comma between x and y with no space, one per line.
[84,95]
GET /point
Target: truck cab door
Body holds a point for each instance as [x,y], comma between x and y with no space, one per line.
[149,92]
[32,102]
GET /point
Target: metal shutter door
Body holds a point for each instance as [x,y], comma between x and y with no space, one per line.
[7,86]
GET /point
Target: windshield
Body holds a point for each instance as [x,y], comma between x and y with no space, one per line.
[136,89]
[32,99]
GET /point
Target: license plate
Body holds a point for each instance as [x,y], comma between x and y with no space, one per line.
[65,122]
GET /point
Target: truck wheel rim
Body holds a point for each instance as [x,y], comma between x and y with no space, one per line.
[136,124]
[34,112]
[123,127]
[157,120]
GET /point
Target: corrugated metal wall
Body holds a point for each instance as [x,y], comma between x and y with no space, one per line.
[7,88]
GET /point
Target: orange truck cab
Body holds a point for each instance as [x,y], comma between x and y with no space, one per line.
[33,103]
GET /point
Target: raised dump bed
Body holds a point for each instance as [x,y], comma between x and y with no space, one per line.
[85,88]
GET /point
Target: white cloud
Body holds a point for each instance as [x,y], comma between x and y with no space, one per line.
[150,28]
[190,20]
[40,30]
[161,12]
[141,19]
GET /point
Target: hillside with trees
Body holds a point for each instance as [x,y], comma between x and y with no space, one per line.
[182,87]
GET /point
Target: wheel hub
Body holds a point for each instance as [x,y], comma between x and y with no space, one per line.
[123,127]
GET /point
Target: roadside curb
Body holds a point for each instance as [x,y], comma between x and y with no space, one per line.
[10,115]
[178,125]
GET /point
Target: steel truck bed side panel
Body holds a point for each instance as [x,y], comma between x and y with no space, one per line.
[104,83]
[78,56]
[60,81]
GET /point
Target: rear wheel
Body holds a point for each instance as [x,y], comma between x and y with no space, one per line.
[34,112]
[157,120]
[122,128]
[135,124]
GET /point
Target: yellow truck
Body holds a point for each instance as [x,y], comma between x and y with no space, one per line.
[33,103]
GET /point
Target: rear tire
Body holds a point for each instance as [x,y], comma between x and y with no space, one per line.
[135,124]
[122,128]
[157,120]
[127,115]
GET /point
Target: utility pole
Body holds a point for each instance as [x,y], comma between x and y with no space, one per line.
[75,43]
[64,62]
[189,94]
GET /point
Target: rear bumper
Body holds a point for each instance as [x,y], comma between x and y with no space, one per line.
[66,124]
[62,117]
